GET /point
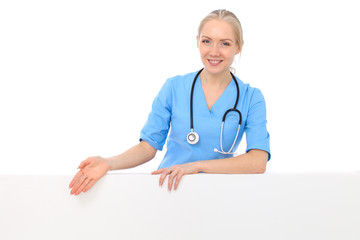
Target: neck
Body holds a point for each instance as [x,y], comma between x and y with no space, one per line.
[215,80]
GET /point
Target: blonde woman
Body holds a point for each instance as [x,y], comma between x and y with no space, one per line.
[208,110]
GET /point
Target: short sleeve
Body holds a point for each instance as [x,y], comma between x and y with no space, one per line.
[157,125]
[257,136]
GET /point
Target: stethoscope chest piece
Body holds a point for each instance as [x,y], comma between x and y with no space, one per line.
[192,137]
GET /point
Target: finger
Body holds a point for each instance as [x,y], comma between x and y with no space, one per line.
[75,179]
[78,184]
[90,184]
[178,178]
[83,185]
[163,176]
[171,179]
[158,171]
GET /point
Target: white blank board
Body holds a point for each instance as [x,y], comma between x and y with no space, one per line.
[205,206]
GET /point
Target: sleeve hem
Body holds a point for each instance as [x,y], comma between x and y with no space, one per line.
[260,148]
[152,143]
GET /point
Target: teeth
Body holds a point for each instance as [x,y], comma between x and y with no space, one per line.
[214,61]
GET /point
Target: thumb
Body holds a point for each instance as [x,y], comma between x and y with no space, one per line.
[84,163]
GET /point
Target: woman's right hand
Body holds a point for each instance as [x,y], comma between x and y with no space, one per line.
[91,170]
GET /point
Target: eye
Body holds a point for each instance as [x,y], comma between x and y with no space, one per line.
[226,44]
[206,41]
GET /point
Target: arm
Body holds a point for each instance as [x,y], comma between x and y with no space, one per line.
[135,156]
[154,132]
[94,168]
[252,162]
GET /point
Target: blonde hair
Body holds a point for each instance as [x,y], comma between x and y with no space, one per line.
[228,17]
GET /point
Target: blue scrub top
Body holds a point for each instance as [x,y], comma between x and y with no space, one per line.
[169,120]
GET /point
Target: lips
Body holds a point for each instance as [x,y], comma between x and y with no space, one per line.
[214,62]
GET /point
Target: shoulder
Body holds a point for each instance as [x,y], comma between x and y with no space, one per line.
[179,84]
[248,90]
[181,79]
[251,96]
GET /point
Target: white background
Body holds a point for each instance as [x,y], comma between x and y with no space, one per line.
[77,78]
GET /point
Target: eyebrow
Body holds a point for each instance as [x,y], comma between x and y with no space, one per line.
[226,39]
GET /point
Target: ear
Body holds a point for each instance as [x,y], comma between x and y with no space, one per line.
[239,50]
[197,41]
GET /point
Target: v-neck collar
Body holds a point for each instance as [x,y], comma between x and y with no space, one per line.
[219,102]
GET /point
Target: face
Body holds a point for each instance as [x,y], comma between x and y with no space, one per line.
[217,46]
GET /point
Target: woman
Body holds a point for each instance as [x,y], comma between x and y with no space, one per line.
[194,106]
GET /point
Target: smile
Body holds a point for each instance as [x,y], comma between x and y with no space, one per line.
[214,62]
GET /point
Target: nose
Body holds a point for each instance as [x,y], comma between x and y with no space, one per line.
[214,51]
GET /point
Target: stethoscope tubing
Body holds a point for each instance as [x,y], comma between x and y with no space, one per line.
[229,110]
[193,137]
[191,100]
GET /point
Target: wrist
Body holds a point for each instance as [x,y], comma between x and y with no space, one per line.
[198,166]
[109,163]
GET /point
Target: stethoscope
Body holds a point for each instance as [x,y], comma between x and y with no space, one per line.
[193,137]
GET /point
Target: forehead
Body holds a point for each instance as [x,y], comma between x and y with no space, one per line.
[216,28]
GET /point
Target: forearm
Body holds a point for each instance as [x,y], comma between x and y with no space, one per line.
[252,162]
[135,156]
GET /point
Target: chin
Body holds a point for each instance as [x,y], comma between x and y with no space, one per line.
[216,70]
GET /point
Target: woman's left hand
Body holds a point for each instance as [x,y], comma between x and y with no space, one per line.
[177,171]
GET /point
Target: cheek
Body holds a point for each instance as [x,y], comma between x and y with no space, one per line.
[203,51]
[230,55]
